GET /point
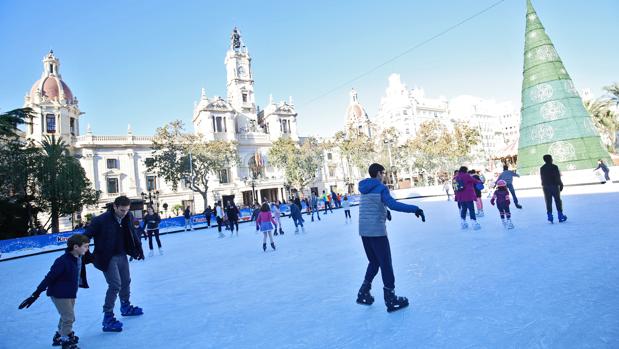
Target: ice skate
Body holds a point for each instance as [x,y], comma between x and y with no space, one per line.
[394,302]
[509,224]
[72,338]
[480,213]
[67,344]
[110,324]
[476,225]
[562,217]
[273,246]
[151,253]
[296,230]
[303,230]
[518,206]
[275,233]
[160,251]
[126,309]
[504,222]
[363,296]
[550,218]
[464,224]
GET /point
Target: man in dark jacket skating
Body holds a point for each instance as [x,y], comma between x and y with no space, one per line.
[114,239]
[552,186]
[373,231]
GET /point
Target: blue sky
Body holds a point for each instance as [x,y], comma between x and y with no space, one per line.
[144,62]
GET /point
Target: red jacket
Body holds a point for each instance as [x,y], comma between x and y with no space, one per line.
[468,193]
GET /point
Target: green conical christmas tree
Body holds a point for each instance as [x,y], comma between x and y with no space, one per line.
[553,118]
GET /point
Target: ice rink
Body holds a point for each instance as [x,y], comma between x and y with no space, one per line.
[536,286]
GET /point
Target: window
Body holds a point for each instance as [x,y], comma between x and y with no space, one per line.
[219,124]
[72,126]
[223,176]
[151,182]
[50,122]
[329,156]
[112,185]
[331,171]
[112,163]
[285,126]
[244,97]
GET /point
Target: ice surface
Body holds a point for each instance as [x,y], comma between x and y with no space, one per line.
[536,286]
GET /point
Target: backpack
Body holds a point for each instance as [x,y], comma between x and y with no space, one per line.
[479,186]
[458,185]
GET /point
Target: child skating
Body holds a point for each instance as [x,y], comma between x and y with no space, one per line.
[65,276]
[501,198]
[346,206]
[465,196]
[265,222]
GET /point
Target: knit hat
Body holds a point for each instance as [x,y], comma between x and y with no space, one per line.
[501,183]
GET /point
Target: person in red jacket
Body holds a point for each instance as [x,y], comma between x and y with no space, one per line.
[265,223]
[466,197]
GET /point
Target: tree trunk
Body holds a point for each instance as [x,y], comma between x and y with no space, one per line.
[55,218]
[204,195]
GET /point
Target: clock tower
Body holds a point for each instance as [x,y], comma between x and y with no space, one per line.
[240,82]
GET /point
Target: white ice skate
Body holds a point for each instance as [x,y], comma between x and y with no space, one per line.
[476,225]
[464,225]
[151,253]
[480,213]
[160,251]
[303,230]
[509,224]
[296,230]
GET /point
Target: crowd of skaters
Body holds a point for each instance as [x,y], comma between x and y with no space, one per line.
[116,238]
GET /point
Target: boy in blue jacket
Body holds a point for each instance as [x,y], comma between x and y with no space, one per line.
[372,216]
[66,274]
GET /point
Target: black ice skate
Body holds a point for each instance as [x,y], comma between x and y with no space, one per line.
[394,302]
[273,246]
[72,338]
[264,247]
[363,296]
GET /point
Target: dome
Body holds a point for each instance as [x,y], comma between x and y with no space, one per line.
[50,88]
[356,112]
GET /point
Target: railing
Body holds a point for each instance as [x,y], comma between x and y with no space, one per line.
[128,139]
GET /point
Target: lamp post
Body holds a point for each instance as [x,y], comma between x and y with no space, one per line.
[252,182]
[152,196]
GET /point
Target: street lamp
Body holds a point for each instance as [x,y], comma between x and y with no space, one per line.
[152,195]
[252,182]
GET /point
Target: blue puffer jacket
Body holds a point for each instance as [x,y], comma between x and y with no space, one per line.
[372,212]
[61,281]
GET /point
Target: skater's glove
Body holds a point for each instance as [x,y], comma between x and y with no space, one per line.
[28,301]
[492,202]
[561,187]
[419,213]
[388,215]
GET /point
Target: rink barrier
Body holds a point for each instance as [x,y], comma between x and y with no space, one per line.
[177,224]
[166,226]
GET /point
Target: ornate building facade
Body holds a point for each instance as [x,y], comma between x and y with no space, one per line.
[115,165]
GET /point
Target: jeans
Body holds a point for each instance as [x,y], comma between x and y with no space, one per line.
[552,192]
[315,209]
[347,214]
[378,252]
[118,282]
[512,191]
[150,238]
[467,205]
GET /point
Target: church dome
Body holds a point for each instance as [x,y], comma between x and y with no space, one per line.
[51,88]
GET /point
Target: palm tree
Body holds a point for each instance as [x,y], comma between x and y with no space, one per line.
[63,186]
[613,90]
[604,119]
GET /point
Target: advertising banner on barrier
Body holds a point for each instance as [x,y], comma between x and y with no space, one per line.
[38,243]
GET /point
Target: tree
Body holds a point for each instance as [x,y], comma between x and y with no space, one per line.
[299,162]
[356,148]
[17,163]
[61,181]
[604,119]
[178,156]
[436,150]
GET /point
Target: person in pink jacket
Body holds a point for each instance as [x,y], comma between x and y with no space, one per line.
[265,223]
[464,184]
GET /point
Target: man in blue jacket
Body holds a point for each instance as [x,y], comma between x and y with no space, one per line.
[115,238]
[373,231]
